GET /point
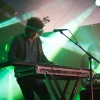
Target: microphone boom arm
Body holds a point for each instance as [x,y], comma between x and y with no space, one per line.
[90,57]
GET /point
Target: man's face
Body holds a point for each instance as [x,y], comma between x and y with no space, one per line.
[32,34]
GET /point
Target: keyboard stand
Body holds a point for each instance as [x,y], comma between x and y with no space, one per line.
[56,88]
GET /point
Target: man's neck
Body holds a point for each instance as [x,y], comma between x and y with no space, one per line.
[31,41]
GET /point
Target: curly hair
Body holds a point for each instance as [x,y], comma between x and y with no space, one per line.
[35,22]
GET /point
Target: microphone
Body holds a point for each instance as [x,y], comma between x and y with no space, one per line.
[57,30]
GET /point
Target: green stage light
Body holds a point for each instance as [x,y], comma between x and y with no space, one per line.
[16,20]
[55,41]
[3,58]
[10,92]
[10,88]
[28,15]
[6,47]
[9,22]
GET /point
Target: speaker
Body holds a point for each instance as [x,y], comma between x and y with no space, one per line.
[86,94]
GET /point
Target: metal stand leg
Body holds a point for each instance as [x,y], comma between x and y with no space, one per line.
[66,87]
[58,88]
[74,89]
[52,87]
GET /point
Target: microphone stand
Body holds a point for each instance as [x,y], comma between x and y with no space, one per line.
[90,60]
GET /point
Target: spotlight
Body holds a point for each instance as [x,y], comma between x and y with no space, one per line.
[97,2]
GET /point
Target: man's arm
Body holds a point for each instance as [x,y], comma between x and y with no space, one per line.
[12,54]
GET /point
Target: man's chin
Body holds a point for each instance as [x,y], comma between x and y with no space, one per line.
[34,37]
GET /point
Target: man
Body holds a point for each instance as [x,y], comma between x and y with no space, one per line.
[28,47]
